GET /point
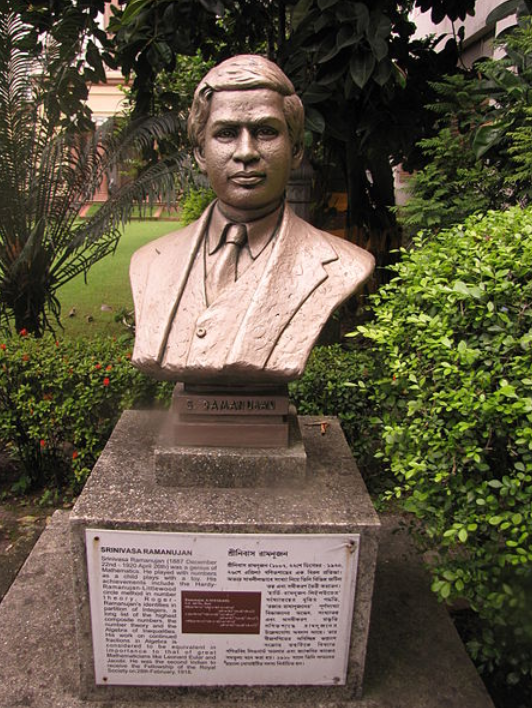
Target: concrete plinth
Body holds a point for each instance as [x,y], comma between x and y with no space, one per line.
[415,658]
[122,493]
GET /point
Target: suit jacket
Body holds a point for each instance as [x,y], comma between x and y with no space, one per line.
[259,331]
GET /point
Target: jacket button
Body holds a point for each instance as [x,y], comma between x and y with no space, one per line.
[201,332]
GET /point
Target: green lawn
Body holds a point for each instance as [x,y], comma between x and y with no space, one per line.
[107,284]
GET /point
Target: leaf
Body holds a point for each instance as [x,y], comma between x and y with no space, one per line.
[461,287]
[362,15]
[133,8]
[316,93]
[215,7]
[314,120]
[347,36]
[325,4]
[361,67]
[379,47]
[502,11]
[300,12]
[382,73]
[487,136]
[328,50]
[462,535]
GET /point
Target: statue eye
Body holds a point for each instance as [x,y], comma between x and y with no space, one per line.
[266,131]
[225,133]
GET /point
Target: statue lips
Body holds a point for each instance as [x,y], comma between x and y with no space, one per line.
[248,179]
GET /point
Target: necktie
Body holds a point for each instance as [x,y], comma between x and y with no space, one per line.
[223,272]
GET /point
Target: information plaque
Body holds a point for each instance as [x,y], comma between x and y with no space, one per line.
[178,609]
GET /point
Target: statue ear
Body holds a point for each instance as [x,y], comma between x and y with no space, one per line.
[297,155]
[200,159]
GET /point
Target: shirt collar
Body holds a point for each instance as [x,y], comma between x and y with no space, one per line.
[260,231]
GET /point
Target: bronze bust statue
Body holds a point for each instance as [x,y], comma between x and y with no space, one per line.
[240,296]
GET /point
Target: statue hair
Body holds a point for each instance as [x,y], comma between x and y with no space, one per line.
[245,73]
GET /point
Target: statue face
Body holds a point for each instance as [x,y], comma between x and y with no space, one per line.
[247,153]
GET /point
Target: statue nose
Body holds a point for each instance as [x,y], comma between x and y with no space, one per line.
[246,148]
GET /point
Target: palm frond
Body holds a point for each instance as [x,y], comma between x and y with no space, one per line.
[48,172]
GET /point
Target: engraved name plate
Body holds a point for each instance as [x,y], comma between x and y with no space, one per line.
[177,609]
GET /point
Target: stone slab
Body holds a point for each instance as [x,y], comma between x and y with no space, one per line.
[183,466]
[122,493]
[415,658]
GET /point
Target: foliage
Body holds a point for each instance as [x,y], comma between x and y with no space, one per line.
[82,48]
[59,402]
[364,82]
[337,381]
[48,172]
[194,204]
[481,157]
[454,334]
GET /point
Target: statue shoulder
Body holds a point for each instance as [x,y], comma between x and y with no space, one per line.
[350,253]
[351,257]
[160,246]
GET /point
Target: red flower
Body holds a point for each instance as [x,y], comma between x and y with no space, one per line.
[25,357]
[106,381]
[74,454]
[3,346]
[23,332]
[98,367]
[108,368]
[42,443]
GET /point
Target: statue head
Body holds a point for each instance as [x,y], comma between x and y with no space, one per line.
[244,73]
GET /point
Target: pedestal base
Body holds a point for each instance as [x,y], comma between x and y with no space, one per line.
[122,494]
[415,657]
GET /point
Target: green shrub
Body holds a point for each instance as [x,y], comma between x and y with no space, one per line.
[337,381]
[454,333]
[194,204]
[481,156]
[59,402]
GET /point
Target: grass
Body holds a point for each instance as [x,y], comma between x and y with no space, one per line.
[107,285]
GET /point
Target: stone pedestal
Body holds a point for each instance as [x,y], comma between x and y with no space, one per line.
[209,466]
[122,494]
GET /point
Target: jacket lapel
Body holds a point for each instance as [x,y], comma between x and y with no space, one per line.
[294,270]
[167,277]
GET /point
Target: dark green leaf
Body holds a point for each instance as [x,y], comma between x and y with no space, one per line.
[379,47]
[216,7]
[328,50]
[300,12]
[347,36]
[314,120]
[503,10]
[315,94]
[361,67]
[486,137]
[383,72]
